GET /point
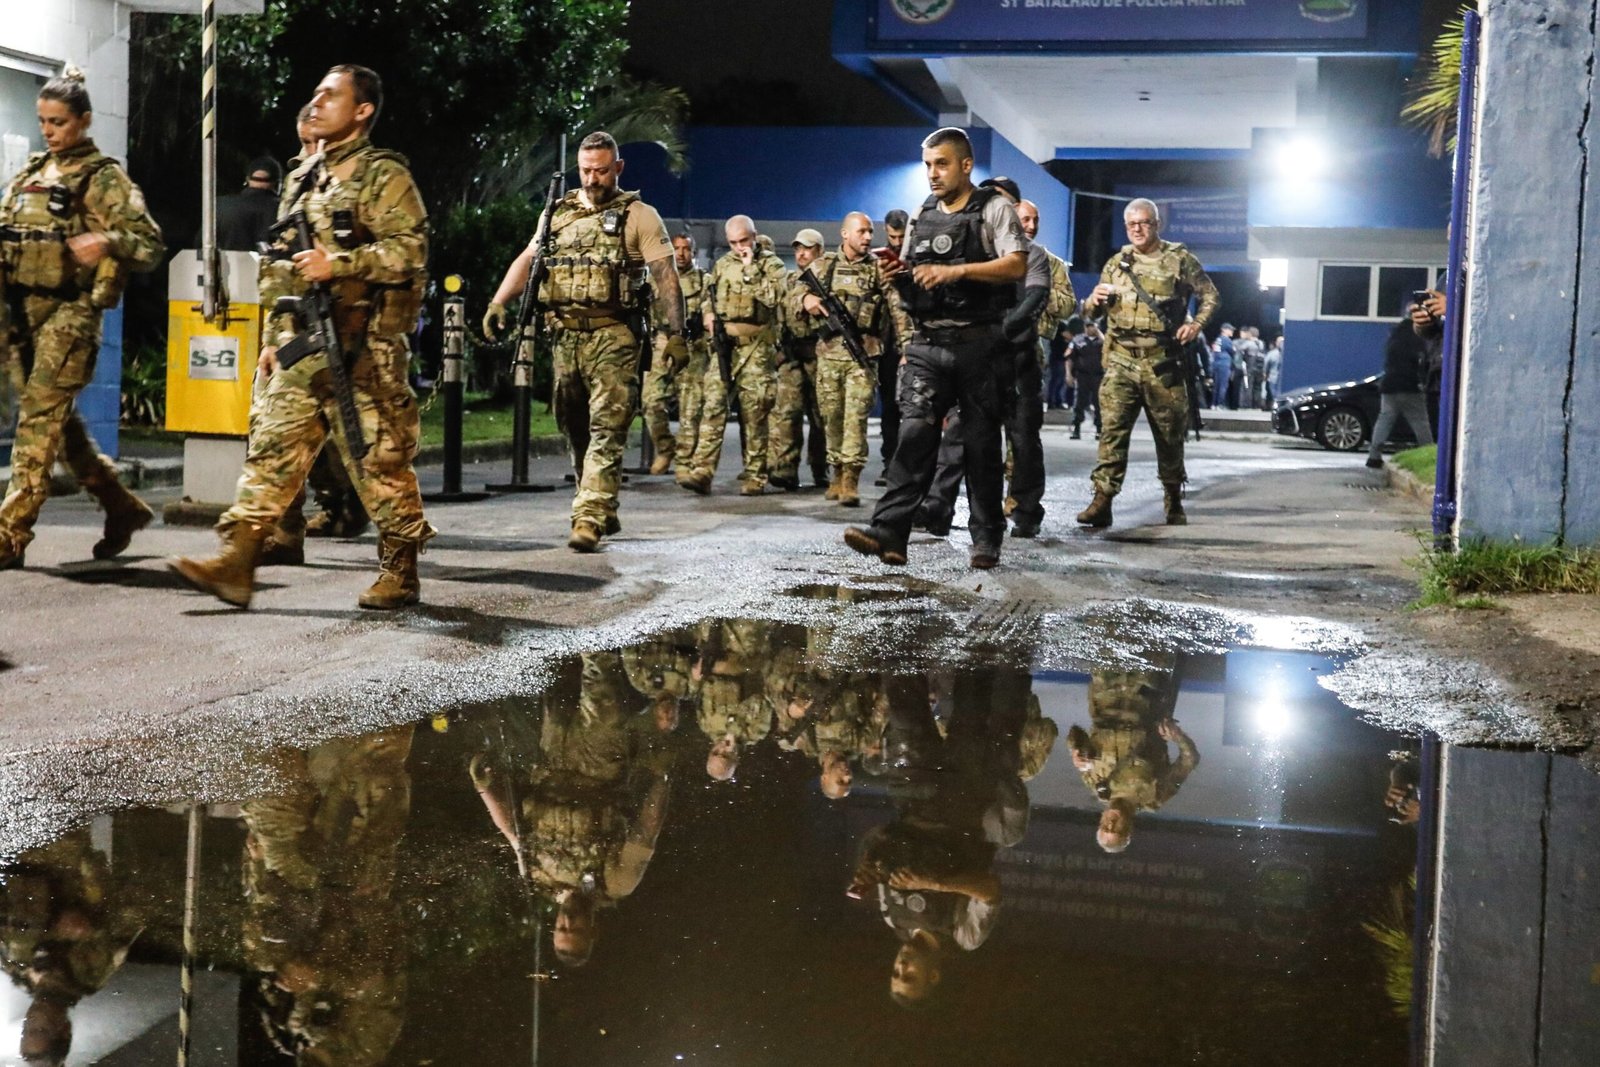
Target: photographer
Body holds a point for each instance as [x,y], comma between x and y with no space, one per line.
[1406,359]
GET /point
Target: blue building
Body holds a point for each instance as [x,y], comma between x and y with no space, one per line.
[1267,130]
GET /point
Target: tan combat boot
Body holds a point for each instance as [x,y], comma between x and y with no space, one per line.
[833,484]
[1098,513]
[398,585]
[1172,493]
[285,545]
[850,486]
[126,515]
[229,577]
[585,536]
[13,551]
[662,463]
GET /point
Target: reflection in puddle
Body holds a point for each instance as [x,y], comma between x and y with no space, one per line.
[745,843]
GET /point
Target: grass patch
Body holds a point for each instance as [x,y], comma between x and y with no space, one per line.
[482,420]
[1468,577]
[1420,463]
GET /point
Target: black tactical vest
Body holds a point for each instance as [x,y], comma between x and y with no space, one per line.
[948,239]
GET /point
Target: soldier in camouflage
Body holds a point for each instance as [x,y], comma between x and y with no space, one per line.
[663,378]
[845,387]
[1124,759]
[583,801]
[734,711]
[372,231]
[660,669]
[692,381]
[63,934]
[1145,291]
[794,403]
[72,225]
[322,928]
[747,286]
[608,248]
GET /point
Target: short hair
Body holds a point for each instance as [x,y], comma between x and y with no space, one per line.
[1005,185]
[68,88]
[950,135]
[267,165]
[597,140]
[367,86]
[1142,204]
[685,236]
[896,220]
[303,116]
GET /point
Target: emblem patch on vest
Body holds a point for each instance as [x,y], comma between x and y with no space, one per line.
[942,244]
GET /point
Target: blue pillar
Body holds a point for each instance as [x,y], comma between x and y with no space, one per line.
[100,403]
[1530,458]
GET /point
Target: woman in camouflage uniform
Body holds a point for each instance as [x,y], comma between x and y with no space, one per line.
[72,224]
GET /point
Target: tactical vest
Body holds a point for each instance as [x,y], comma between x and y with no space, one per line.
[1159,273]
[588,266]
[852,284]
[37,217]
[948,239]
[744,292]
[692,282]
[362,308]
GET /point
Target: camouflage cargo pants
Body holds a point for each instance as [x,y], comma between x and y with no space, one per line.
[596,390]
[691,402]
[655,397]
[295,416]
[48,351]
[844,393]
[753,363]
[794,408]
[1129,386]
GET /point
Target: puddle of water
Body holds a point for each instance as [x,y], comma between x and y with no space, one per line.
[752,842]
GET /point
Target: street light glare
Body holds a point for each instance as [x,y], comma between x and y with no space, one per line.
[1302,157]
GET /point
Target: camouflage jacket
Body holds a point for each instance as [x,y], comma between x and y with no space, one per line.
[379,262]
[1171,275]
[748,292]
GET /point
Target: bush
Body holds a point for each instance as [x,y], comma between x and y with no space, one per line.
[144,386]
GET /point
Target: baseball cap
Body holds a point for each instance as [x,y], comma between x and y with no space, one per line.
[1005,185]
[808,237]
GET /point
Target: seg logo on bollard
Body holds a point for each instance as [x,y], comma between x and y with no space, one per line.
[923,11]
[1329,10]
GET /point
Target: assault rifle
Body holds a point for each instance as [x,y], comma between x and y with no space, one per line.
[313,313]
[528,319]
[839,321]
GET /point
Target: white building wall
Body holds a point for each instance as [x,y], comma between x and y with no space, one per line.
[90,33]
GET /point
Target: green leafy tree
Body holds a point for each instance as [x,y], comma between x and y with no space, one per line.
[1434,94]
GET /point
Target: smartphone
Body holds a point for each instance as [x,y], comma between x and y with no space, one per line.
[1420,296]
[886,256]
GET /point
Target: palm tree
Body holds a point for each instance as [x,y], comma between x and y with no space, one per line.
[1435,91]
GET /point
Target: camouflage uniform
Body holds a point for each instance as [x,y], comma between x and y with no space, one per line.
[662,378]
[747,301]
[322,926]
[692,379]
[63,933]
[1137,340]
[378,279]
[51,318]
[1127,757]
[844,387]
[794,398]
[733,691]
[594,282]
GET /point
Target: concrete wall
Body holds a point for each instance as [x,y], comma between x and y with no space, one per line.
[41,36]
[1529,453]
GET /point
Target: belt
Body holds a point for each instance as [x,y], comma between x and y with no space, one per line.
[1141,339]
[587,322]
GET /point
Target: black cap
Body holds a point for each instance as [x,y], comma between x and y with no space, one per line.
[1005,185]
[264,165]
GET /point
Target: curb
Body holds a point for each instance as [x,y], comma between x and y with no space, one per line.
[1408,484]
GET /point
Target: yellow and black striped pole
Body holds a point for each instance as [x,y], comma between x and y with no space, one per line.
[209,259]
[191,894]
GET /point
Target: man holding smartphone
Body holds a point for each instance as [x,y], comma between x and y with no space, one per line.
[1406,357]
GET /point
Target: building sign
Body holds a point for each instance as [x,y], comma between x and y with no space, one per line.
[1066,21]
[214,359]
[1209,217]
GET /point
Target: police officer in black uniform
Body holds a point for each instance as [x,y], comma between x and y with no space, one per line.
[963,254]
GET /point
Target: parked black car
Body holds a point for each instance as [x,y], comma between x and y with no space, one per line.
[1339,416]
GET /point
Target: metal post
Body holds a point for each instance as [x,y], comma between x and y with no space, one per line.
[521,419]
[191,893]
[211,304]
[453,388]
[1444,484]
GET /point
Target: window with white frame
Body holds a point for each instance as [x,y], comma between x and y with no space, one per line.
[1363,292]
